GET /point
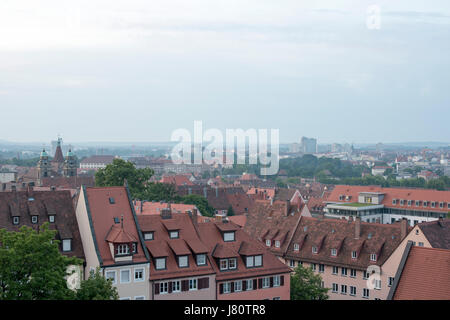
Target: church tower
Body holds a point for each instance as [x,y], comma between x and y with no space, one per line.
[70,165]
[43,166]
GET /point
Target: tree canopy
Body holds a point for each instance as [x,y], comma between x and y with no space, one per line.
[305,285]
[97,287]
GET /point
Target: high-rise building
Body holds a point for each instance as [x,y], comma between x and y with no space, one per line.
[308,145]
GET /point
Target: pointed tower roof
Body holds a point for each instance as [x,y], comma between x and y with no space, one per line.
[58,153]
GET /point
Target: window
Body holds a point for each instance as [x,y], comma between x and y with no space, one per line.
[226,287]
[391,281]
[433,204]
[250,262]
[292,263]
[232,263]
[125,276]
[425,204]
[394,201]
[354,254]
[16,220]
[378,284]
[266,282]
[313,266]
[51,219]
[173,234]
[321,268]
[365,293]
[314,249]
[160,264]
[276,281]
[139,274]
[417,203]
[365,275]
[335,270]
[249,284]
[441,205]
[112,201]
[223,264]
[148,236]
[258,261]
[409,202]
[67,245]
[420,244]
[193,284]
[201,259]
[268,243]
[111,275]
[134,247]
[34,219]
[333,252]
[122,249]
[402,202]
[335,287]
[228,236]
[183,261]
[176,286]
[352,291]
[296,247]
[163,287]
[343,289]
[373,257]
[344,272]
[353,273]
[238,285]
[277,244]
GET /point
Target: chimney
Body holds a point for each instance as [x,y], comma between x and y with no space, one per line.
[357,227]
[403,227]
[217,192]
[195,217]
[287,207]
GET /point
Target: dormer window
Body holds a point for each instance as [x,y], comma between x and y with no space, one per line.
[174,234]
[373,257]
[51,219]
[354,254]
[183,262]
[228,236]
[268,243]
[409,202]
[433,204]
[402,202]
[122,249]
[394,201]
[277,244]
[148,236]
[111,200]
[334,252]
[228,264]
[134,247]
[417,203]
[201,259]
[314,249]
[160,263]
[67,245]
[296,247]
[34,219]
[16,220]
[253,261]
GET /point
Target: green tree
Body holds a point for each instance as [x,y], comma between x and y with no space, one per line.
[230,211]
[200,202]
[115,173]
[157,191]
[305,285]
[97,287]
[32,267]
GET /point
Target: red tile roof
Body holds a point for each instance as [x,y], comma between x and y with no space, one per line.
[178,180]
[102,214]
[425,275]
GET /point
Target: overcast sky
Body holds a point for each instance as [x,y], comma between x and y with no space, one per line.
[102,70]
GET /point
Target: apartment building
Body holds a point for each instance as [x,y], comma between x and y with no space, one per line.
[112,240]
[387,205]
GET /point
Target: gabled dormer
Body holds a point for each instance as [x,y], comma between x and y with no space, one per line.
[122,244]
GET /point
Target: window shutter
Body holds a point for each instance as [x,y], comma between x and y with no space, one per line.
[271,282]
[244,285]
[156,287]
[260,283]
[221,288]
[170,286]
[184,285]
[200,283]
[205,283]
[255,284]
[281,280]
[232,286]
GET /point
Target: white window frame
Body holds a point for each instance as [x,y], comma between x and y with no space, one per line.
[174,234]
[122,249]
[335,288]
[321,268]
[193,287]
[114,279]
[334,252]
[276,281]
[16,220]
[176,286]
[342,289]
[249,285]
[353,273]
[266,282]
[344,274]
[390,281]
[51,218]
[148,236]
[277,244]
[65,243]
[314,249]
[143,274]
[164,287]
[223,264]
[232,263]
[364,295]
[183,259]
[34,219]
[296,247]
[201,259]
[227,287]
[158,261]
[352,290]
[292,263]
[354,255]
[129,275]
[373,257]
[335,270]
[228,236]
[238,285]
[268,243]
